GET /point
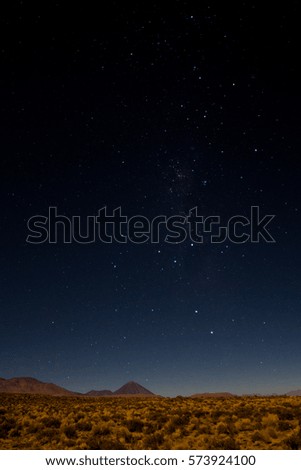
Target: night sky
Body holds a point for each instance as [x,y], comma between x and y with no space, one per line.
[157,111]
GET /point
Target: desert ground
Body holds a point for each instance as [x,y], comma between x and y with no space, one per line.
[46,422]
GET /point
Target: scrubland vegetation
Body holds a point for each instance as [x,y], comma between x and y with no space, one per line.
[44,422]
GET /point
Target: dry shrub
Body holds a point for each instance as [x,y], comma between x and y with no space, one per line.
[40,422]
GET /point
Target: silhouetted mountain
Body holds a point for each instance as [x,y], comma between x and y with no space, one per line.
[31,385]
[99,393]
[213,394]
[132,388]
[294,393]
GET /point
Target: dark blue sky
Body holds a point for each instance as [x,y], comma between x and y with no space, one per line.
[155,112]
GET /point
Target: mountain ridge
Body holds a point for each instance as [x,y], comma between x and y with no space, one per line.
[31,385]
[294,393]
[132,388]
[99,393]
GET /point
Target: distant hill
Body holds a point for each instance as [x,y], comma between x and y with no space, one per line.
[99,393]
[133,388]
[294,393]
[31,385]
[34,386]
[213,394]
[130,388]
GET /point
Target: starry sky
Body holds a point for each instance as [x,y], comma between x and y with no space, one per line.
[155,110]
